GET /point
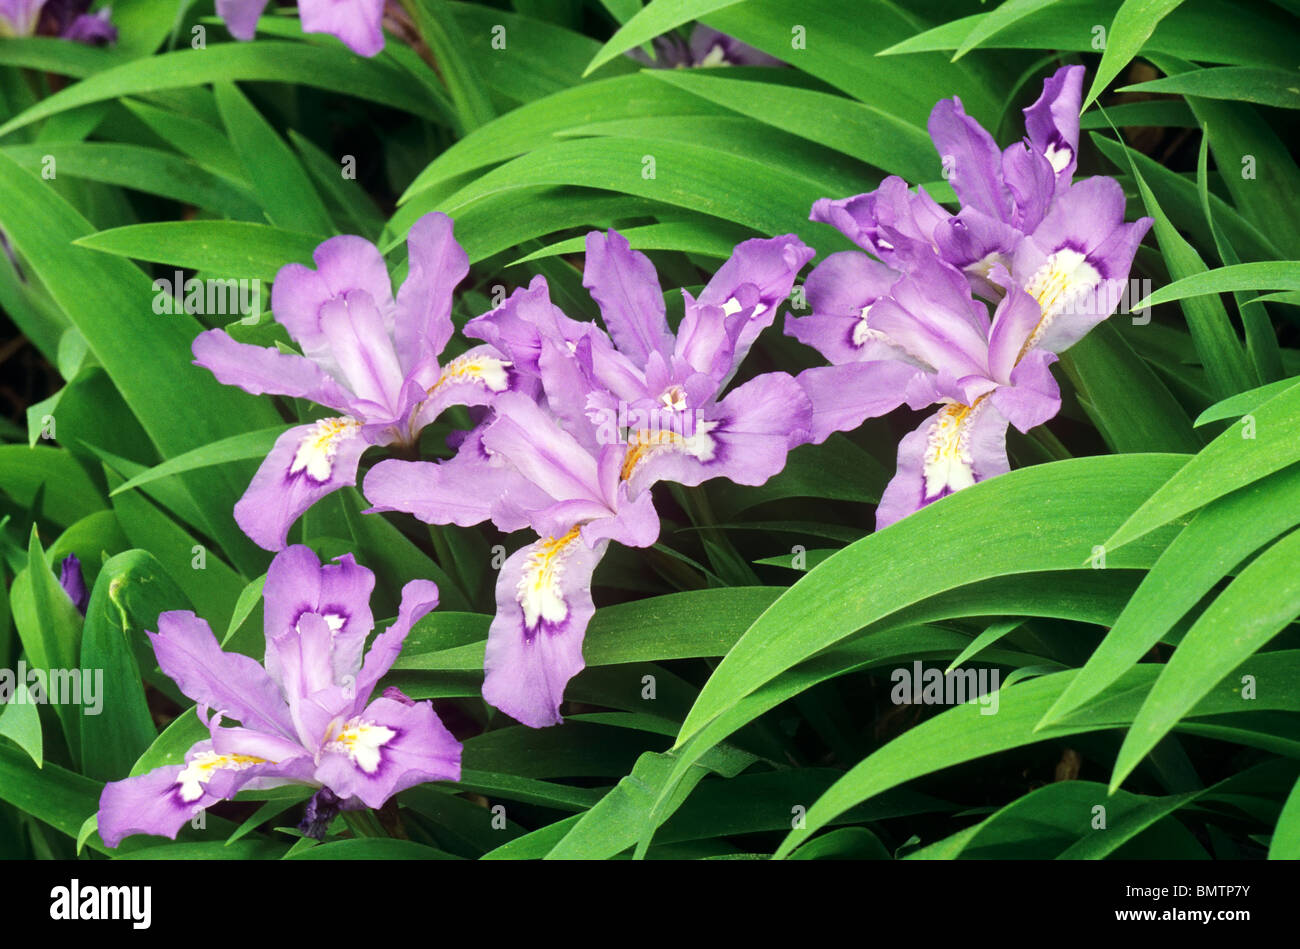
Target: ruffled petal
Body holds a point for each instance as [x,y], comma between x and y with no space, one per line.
[971,157]
[422,325]
[843,397]
[241,16]
[624,284]
[418,598]
[1052,122]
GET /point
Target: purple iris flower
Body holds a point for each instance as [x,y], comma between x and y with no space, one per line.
[65,18]
[706,47]
[73,583]
[356,22]
[1026,238]
[305,717]
[609,416]
[366,355]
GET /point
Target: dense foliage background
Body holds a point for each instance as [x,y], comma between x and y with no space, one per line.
[1135,581]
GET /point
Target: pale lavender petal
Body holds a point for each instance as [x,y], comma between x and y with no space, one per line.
[1033,396]
[388,748]
[92,29]
[343,264]
[1014,321]
[358,23]
[437,265]
[418,598]
[461,490]
[241,16]
[952,449]
[843,397]
[971,159]
[476,377]
[840,290]
[354,329]
[1052,122]
[535,641]
[227,682]
[19,17]
[307,463]
[1032,182]
[624,284]
[265,370]
[297,584]
[528,438]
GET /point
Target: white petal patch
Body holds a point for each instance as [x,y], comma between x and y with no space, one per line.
[1060,285]
[360,741]
[198,772]
[539,592]
[1058,158]
[318,447]
[487,370]
[948,463]
[733,306]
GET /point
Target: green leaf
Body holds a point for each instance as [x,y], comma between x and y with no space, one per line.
[372,848]
[20,722]
[130,593]
[286,193]
[997,20]
[1212,332]
[1218,538]
[325,67]
[235,448]
[1285,844]
[69,495]
[1234,459]
[1243,403]
[1259,275]
[439,29]
[222,248]
[1274,87]
[1133,25]
[654,19]
[1255,607]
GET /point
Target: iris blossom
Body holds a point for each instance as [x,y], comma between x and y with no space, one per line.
[1027,238]
[610,415]
[356,22]
[370,357]
[68,19]
[305,717]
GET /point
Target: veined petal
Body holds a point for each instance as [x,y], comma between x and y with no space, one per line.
[387,748]
[228,682]
[297,584]
[422,322]
[354,329]
[541,451]
[356,22]
[843,397]
[1014,321]
[624,284]
[261,370]
[306,463]
[1033,396]
[475,377]
[535,642]
[971,157]
[1031,180]
[953,449]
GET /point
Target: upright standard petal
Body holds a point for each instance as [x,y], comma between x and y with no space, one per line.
[438,264]
[971,160]
[307,463]
[419,597]
[624,284]
[841,291]
[1052,122]
[297,584]
[19,17]
[535,641]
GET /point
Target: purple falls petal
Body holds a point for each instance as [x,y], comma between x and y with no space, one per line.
[535,641]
